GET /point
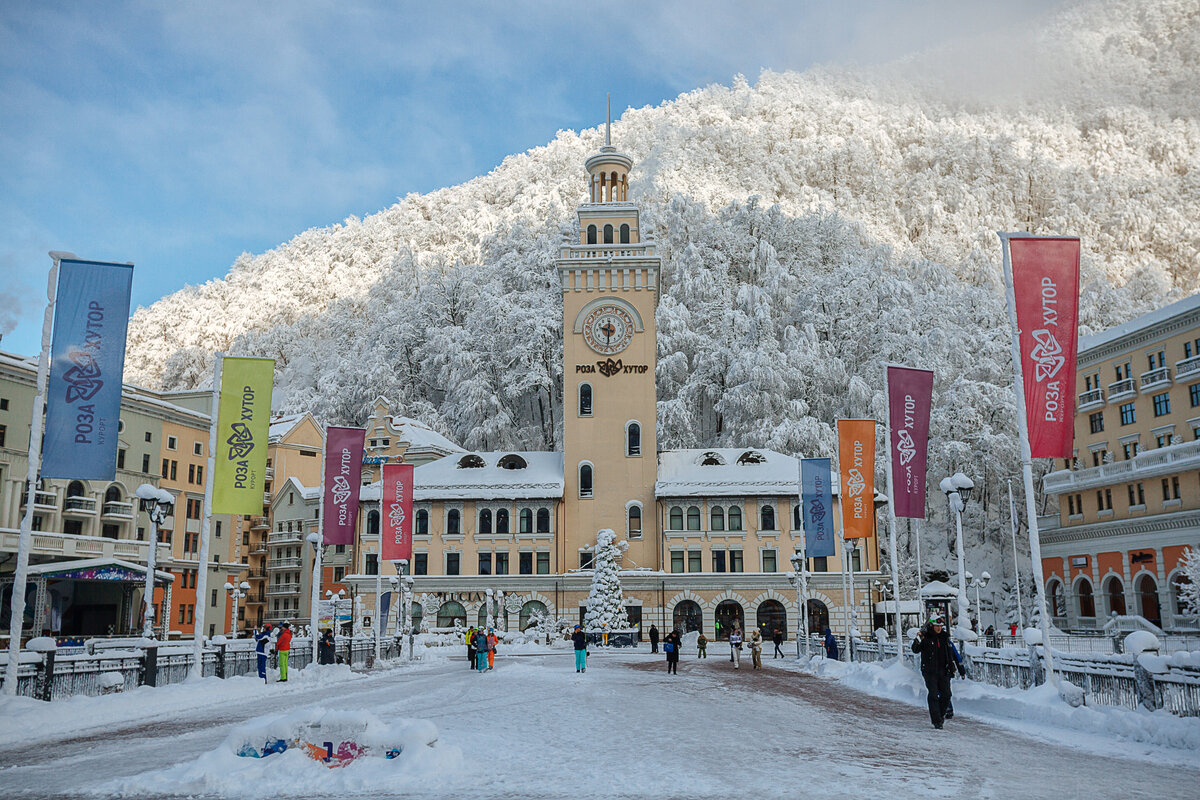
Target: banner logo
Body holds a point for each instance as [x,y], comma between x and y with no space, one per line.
[341,490]
[855,483]
[240,442]
[1047,355]
[906,446]
[816,510]
[83,379]
[396,515]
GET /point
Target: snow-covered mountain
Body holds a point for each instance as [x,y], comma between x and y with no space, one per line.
[813,226]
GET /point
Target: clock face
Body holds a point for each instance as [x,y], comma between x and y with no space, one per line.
[608,329]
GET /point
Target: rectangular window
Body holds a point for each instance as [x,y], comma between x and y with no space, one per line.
[1098,457]
[718,557]
[182,611]
[371,565]
[485,563]
[146,463]
[543,562]
[148,437]
[1162,404]
[1132,501]
[1130,449]
[217,529]
[585,560]
[172,443]
[1163,439]
[525,563]
[1194,394]
[1166,487]
[338,574]
[694,561]
[192,471]
[768,561]
[166,470]
[820,564]
[120,453]
[200,474]
[735,561]
[1071,505]
[676,561]
[501,563]
[1128,417]
[174,467]
[452,563]
[191,614]
[1096,421]
[214,599]
[197,449]
[1141,494]
[420,564]
[3,404]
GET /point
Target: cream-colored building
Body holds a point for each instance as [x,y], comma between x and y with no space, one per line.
[1129,500]
[710,532]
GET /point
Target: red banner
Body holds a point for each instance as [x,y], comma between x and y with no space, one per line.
[1045,274]
[856,472]
[910,394]
[343,477]
[397,509]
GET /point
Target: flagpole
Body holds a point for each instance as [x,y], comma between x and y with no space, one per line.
[317,546]
[1035,545]
[36,426]
[887,393]
[206,525]
[378,609]
[920,576]
[1012,518]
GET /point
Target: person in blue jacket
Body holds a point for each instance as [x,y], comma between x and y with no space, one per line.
[831,648]
[261,637]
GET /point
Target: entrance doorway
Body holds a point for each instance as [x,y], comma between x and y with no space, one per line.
[728,616]
[687,617]
[772,616]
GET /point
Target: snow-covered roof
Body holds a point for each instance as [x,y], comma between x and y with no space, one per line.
[282,425]
[449,478]
[305,492]
[938,589]
[725,471]
[1138,323]
[420,436]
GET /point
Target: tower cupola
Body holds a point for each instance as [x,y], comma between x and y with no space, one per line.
[608,170]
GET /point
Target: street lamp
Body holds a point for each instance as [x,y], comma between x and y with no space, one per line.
[158,503]
[958,490]
[977,584]
[405,580]
[315,539]
[235,594]
[884,587]
[799,579]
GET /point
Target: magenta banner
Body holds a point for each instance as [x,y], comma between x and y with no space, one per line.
[343,477]
[910,394]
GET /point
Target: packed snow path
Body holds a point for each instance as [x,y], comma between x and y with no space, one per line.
[533,728]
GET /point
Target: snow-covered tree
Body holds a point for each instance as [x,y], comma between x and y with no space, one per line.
[606,601]
[1189,588]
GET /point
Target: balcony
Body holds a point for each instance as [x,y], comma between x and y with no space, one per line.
[1121,390]
[1150,464]
[47,501]
[280,616]
[1156,378]
[283,588]
[269,473]
[260,523]
[1187,368]
[115,510]
[67,546]
[266,498]
[79,506]
[284,563]
[1091,399]
[283,537]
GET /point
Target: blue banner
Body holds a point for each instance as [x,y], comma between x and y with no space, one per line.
[816,502]
[87,362]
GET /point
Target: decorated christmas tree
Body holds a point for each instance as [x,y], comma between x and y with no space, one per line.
[606,602]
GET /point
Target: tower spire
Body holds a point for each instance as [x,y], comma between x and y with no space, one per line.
[608,123]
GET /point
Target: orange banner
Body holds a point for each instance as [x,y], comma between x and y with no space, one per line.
[856,470]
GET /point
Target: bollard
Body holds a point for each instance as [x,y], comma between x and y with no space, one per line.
[1037,674]
[43,685]
[221,660]
[149,674]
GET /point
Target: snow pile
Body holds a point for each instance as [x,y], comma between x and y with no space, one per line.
[1039,711]
[282,755]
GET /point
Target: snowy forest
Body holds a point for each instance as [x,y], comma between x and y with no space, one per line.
[812,226]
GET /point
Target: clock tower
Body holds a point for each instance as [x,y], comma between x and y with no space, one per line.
[610,291]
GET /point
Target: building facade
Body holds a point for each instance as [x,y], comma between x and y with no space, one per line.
[1129,499]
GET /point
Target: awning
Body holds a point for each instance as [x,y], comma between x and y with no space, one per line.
[111,570]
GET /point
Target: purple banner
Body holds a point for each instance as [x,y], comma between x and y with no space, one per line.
[910,394]
[343,477]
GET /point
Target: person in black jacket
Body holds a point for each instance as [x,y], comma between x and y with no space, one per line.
[326,649]
[653,639]
[937,665]
[579,640]
[671,645]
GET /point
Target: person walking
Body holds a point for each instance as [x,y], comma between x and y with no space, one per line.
[735,647]
[653,639]
[482,648]
[702,646]
[756,643]
[471,633]
[937,665]
[671,646]
[492,640]
[831,646]
[777,638]
[579,640]
[262,638]
[326,648]
[283,646]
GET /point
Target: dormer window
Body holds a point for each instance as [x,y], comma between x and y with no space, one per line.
[711,459]
[752,457]
[512,461]
[470,461]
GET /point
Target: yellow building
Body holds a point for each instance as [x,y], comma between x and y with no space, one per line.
[710,532]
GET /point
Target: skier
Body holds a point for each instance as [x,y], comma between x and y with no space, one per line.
[937,665]
[735,647]
[701,646]
[482,650]
[261,637]
[778,639]
[671,646]
[326,648]
[579,639]
[653,639]
[831,647]
[492,640]
[756,643]
[283,646]
[471,647]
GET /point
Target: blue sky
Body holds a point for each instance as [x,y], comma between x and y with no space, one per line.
[178,135]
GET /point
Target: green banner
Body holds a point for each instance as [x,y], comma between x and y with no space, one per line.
[243,419]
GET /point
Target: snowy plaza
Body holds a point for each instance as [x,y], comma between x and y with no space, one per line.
[533,728]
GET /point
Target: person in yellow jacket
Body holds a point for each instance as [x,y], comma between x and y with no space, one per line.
[756,643]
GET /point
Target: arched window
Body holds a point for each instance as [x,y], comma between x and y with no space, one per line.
[422,523]
[634,522]
[526,520]
[772,616]
[1054,592]
[734,518]
[1147,589]
[608,234]
[502,520]
[543,520]
[716,519]
[585,399]
[512,461]
[633,439]
[112,494]
[818,616]
[471,461]
[693,518]
[676,518]
[1115,592]
[624,233]
[767,518]
[372,523]
[585,480]
[729,615]
[450,611]
[453,521]
[1087,603]
[75,489]
[797,522]
[591,234]
[530,608]
[687,616]
[485,521]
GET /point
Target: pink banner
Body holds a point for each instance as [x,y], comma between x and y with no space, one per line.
[343,477]
[397,509]
[910,394]
[1045,273]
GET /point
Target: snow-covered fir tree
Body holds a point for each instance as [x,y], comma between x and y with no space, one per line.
[1189,589]
[606,601]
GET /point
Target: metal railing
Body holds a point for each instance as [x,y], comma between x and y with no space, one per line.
[1189,366]
[1090,399]
[1119,390]
[1156,377]
[82,505]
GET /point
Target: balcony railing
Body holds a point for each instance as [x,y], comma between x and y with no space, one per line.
[1187,368]
[283,588]
[281,537]
[117,510]
[46,500]
[1119,390]
[1152,463]
[269,473]
[1155,378]
[266,498]
[259,523]
[1091,399]
[79,505]
[283,563]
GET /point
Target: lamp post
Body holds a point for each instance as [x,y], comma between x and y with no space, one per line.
[799,579]
[405,580]
[958,490]
[158,503]
[885,590]
[235,593]
[977,584]
[851,547]
[315,539]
